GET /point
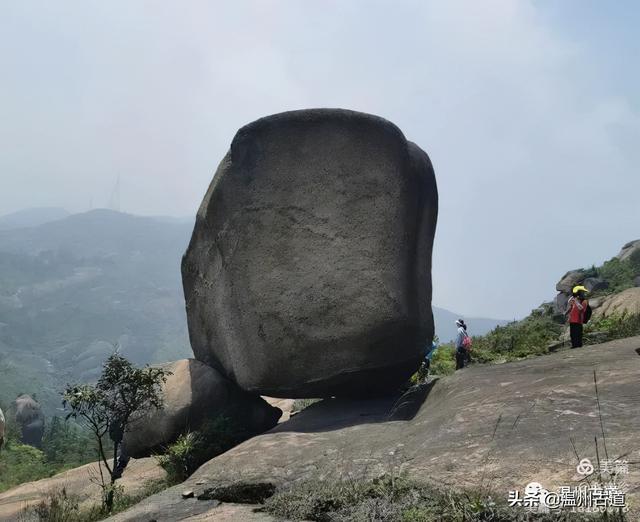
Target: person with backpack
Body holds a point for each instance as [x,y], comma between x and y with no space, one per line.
[579,313]
[463,345]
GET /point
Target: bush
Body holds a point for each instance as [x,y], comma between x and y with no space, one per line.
[21,463]
[619,274]
[57,507]
[443,361]
[193,449]
[619,326]
[180,459]
[517,340]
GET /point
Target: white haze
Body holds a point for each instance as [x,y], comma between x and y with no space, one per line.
[535,145]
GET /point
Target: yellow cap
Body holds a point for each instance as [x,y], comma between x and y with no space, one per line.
[577,289]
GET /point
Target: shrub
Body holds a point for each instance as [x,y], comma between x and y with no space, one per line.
[58,506]
[193,449]
[179,459]
[21,463]
[443,361]
[517,340]
[399,499]
[619,274]
[617,326]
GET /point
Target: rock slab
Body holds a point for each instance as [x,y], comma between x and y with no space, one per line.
[494,428]
[309,270]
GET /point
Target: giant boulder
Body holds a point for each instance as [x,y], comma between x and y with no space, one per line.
[30,418]
[193,394]
[309,269]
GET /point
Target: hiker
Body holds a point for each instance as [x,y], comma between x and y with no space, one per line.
[2,421]
[463,344]
[429,352]
[577,311]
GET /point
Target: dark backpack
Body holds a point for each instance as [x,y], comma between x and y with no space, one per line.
[587,314]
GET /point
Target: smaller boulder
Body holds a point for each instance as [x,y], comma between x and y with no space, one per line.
[595,283]
[569,280]
[30,418]
[629,249]
[560,303]
[193,394]
[624,303]
[636,281]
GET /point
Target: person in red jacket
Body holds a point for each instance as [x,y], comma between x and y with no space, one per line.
[576,309]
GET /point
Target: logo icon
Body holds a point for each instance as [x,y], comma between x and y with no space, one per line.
[585,467]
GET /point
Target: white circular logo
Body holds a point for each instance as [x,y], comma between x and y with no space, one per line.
[585,467]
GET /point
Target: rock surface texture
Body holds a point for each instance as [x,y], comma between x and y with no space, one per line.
[193,394]
[629,250]
[309,269]
[625,302]
[491,428]
[569,280]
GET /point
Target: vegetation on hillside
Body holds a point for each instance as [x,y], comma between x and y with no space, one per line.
[71,288]
[65,445]
[533,335]
[619,274]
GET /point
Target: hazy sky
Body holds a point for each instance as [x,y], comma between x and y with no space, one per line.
[529,110]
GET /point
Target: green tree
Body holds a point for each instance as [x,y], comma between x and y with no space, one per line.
[122,394]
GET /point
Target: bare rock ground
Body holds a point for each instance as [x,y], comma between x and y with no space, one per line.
[489,427]
[495,427]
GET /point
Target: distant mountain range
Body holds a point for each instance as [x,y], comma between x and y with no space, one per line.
[73,286]
[31,217]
